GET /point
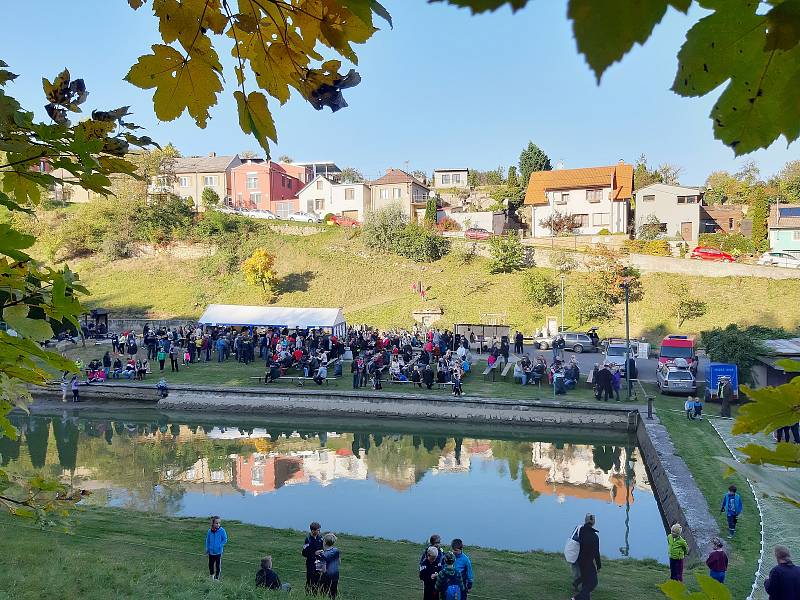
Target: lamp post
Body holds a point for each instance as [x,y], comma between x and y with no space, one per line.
[626,285]
[561,327]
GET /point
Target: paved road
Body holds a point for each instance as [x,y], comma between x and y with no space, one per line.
[586,361]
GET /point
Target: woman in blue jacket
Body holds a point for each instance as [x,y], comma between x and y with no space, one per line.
[216,538]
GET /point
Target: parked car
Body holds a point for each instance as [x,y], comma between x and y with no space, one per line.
[704,253]
[304,216]
[614,354]
[780,259]
[344,221]
[260,214]
[477,233]
[676,378]
[578,342]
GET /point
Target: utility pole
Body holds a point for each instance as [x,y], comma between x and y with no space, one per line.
[561,328]
[627,287]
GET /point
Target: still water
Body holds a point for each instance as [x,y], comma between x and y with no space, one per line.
[525,492]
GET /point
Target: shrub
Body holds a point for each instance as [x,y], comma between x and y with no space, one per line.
[559,224]
[448,224]
[563,261]
[420,244]
[214,222]
[650,229]
[382,227]
[733,243]
[465,253]
[209,198]
[507,254]
[652,247]
[604,231]
[328,218]
[541,288]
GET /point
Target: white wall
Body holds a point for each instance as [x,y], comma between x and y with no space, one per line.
[605,214]
[359,202]
[311,193]
[483,220]
[437,179]
[665,207]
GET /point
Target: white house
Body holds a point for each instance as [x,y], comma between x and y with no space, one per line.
[676,207]
[450,178]
[323,196]
[598,197]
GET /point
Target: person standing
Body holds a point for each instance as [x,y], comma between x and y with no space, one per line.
[216,538]
[732,507]
[717,561]
[678,549]
[463,565]
[604,384]
[449,582]
[74,383]
[518,339]
[588,558]
[726,396]
[162,357]
[311,544]
[329,557]
[428,572]
[174,353]
[456,380]
[783,582]
[64,386]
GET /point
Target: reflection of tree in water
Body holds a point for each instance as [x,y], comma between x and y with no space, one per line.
[36,438]
[9,449]
[606,458]
[66,434]
[399,462]
[517,454]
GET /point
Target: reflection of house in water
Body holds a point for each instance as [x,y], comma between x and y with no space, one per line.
[326,465]
[460,459]
[575,472]
[203,478]
[260,473]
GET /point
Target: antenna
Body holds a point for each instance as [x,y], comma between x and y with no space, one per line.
[559,164]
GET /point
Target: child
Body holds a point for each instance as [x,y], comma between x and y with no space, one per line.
[678,549]
[74,386]
[328,562]
[463,565]
[689,407]
[717,561]
[187,358]
[267,578]
[216,538]
[732,506]
[698,408]
[449,582]
[311,544]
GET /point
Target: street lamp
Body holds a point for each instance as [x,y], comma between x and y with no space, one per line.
[626,285]
[561,328]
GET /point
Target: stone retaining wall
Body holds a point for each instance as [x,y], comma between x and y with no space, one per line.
[680,499]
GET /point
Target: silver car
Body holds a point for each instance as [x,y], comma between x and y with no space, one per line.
[675,380]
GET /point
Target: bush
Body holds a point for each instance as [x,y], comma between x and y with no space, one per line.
[214,222]
[466,253]
[604,231]
[328,218]
[382,227]
[448,224]
[734,243]
[563,261]
[420,244]
[559,224]
[507,254]
[652,247]
[541,288]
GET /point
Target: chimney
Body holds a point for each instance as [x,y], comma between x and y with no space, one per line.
[622,161]
[212,154]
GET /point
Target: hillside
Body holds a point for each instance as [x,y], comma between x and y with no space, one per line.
[331,269]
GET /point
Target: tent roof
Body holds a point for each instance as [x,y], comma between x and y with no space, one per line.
[281,316]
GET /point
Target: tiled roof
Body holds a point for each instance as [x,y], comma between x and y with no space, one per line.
[397,176]
[202,164]
[449,170]
[618,177]
[785,222]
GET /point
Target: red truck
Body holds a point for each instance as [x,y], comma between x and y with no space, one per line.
[679,346]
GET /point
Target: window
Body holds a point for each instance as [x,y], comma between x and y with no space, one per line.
[252,181]
[288,183]
[581,220]
[384,194]
[561,198]
[210,180]
[396,193]
[796,235]
[319,184]
[255,198]
[309,206]
[594,196]
[601,219]
[319,204]
[349,193]
[662,228]
[730,223]
[687,199]
[652,197]
[446,179]
[184,182]
[456,177]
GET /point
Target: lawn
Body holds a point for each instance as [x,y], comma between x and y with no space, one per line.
[334,268]
[697,443]
[119,554]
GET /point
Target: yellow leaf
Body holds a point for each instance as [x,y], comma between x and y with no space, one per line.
[255,117]
[180,85]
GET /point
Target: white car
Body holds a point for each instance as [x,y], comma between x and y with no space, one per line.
[780,259]
[304,216]
[261,214]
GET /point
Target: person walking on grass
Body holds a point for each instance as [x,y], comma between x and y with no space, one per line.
[678,550]
[732,507]
[216,538]
[717,561]
[783,582]
[311,544]
[588,558]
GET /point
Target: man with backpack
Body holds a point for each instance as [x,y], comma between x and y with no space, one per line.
[449,582]
[588,558]
[732,507]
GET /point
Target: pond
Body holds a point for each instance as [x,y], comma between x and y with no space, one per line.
[504,488]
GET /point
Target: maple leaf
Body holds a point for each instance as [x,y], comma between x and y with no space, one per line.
[255,117]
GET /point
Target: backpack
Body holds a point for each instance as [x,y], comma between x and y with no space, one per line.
[453,589]
[572,547]
[731,504]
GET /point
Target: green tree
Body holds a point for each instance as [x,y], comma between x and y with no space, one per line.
[507,254]
[760,214]
[563,261]
[382,227]
[734,345]
[420,244]
[512,181]
[788,181]
[352,175]
[210,199]
[650,229]
[259,269]
[685,306]
[431,210]
[531,159]
[495,177]
[540,287]
[589,302]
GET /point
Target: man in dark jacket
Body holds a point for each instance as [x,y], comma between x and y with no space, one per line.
[604,383]
[430,565]
[427,376]
[312,543]
[783,582]
[588,558]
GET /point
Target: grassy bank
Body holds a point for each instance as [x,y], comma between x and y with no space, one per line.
[333,268]
[117,554]
[697,443]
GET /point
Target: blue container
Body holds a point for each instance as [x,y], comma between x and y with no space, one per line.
[717,370]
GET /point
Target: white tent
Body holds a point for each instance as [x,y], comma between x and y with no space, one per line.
[274,316]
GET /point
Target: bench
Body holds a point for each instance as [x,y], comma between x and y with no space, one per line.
[489,369]
[509,367]
[300,380]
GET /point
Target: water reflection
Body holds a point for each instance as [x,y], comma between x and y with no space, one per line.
[515,494]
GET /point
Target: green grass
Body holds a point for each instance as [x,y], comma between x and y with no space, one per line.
[697,443]
[119,554]
[333,268]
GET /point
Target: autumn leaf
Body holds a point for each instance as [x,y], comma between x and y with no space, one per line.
[17,318]
[181,85]
[771,408]
[255,117]
[606,31]
[785,454]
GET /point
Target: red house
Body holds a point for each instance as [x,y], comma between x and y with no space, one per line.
[259,184]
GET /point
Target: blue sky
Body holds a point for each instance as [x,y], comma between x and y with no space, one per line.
[442,89]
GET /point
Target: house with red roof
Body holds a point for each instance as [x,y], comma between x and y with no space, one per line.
[399,187]
[598,198]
